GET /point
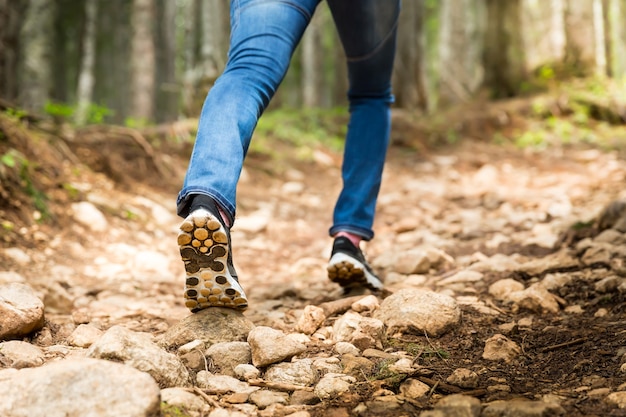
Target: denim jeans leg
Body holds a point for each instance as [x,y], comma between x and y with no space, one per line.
[367,29]
[264,34]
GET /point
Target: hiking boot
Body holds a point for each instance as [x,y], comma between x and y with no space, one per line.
[211,279]
[348,267]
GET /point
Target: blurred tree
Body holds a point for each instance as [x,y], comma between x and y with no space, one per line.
[503,58]
[86,78]
[12,14]
[142,60]
[35,77]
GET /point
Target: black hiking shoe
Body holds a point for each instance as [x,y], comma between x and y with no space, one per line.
[348,267]
[211,280]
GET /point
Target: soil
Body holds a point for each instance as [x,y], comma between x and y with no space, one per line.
[282,266]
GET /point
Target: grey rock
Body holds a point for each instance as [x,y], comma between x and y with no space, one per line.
[185,401]
[21,311]
[211,325]
[80,387]
[464,378]
[311,319]
[227,355]
[265,398]
[298,372]
[137,350]
[419,311]
[270,346]
[362,332]
[333,385]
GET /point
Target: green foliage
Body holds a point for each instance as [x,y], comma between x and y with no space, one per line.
[135,123]
[168,410]
[306,130]
[13,159]
[15,113]
[418,349]
[96,114]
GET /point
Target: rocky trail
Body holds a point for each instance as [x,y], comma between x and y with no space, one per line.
[505,294]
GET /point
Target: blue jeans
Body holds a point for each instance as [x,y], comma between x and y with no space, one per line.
[264,34]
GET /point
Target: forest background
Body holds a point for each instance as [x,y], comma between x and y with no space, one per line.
[141,62]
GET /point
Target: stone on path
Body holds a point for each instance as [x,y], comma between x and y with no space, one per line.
[184,401]
[499,348]
[84,335]
[333,385]
[421,311]
[20,354]
[137,350]
[617,398]
[21,311]
[362,332]
[311,319]
[522,408]
[420,260]
[298,372]
[270,346]
[89,216]
[226,356]
[79,387]
[455,405]
[211,325]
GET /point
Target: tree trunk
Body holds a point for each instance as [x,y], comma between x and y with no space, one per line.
[460,49]
[312,64]
[616,37]
[504,50]
[12,14]
[143,60]
[544,32]
[86,79]
[35,72]
[579,36]
[409,71]
[167,90]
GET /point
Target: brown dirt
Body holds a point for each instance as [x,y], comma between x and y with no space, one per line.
[561,352]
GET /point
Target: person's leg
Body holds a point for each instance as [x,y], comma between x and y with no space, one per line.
[264,34]
[367,29]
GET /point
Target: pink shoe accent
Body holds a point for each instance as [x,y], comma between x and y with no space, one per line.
[355,239]
[224,216]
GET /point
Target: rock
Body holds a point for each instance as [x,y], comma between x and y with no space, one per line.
[84,336]
[221,384]
[617,398]
[270,346]
[608,284]
[185,402]
[211,325]
[499,347]
[246,372]
[421,260]
[80,387]
[254,222]
[333,385]
[265,398]
[137,350]
[89,216]
[464,378]
[522,408]
[299,372]
[9,277]
[414,389]
[362,332]
[366,304]
[413,310]
[18,354]
[558,260]
[536,298]
[18,256]
[21,311]
[226,356]
[502,288]
[344,348]
[327,365]
[303,397]
[464,276]
[455,405]
[356,365]
[311,319]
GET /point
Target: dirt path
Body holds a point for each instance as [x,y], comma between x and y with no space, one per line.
[473,202]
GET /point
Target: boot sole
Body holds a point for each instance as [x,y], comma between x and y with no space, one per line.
[203,245]
[350,273]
